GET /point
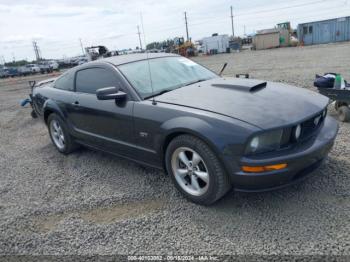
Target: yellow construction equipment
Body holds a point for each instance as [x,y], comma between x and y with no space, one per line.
[184,48]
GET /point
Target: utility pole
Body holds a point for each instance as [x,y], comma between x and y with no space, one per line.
[36,51]
[244,31]
[82,47]
[138,32]
[233,30]
[186,26]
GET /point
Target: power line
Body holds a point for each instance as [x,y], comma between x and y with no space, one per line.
[204,21]
[224,20]
[313,16]
[282,8]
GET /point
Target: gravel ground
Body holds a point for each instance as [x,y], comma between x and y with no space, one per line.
[94,203]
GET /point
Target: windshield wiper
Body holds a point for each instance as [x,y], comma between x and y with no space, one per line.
[171,89]
[159,93]
[194,82]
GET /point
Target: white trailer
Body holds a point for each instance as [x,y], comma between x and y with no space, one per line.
[215,44]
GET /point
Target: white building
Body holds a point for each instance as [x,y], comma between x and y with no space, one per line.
[215,44]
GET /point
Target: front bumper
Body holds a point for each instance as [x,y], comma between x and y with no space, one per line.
[302,161]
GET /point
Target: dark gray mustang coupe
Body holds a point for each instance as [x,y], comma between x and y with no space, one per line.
[209,133]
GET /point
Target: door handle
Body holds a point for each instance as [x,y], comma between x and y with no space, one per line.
[76,103]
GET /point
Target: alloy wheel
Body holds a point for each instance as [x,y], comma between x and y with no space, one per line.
[57,134]
[190,171]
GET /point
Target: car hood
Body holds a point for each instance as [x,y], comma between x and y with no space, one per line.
[263,104]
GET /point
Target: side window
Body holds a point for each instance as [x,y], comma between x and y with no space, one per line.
[91,79]
[65,82]
[310,29]
[304,30]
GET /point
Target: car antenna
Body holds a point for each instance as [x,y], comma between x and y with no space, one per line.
[149,65]
[222,69]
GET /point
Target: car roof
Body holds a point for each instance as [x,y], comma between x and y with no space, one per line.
[124,59]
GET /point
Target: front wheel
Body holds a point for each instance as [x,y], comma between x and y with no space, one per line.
[195,170]
[59,135]
[344,113]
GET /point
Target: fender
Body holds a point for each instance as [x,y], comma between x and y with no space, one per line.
[186,124]
[214,133]
[51,106]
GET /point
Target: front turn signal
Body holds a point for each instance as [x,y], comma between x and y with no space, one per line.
[260,169]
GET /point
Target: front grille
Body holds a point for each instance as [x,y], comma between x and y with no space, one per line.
[310,126]
[308,129]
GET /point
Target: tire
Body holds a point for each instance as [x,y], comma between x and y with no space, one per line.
[338,104]
[68,145]
[33,114]
[344,113]
[218,182]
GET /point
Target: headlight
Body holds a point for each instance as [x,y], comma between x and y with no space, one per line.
[254,143]
[264,142]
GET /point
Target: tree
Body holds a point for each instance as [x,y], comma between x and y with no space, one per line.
[160,45]
[17,63]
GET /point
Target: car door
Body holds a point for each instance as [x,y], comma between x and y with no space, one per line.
[105,124]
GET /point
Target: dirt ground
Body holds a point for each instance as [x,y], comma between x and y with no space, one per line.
[93,203]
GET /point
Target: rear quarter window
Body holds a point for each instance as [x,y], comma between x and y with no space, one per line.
[65,82]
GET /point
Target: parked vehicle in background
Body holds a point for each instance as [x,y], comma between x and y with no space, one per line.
[24,71]
[48,66]
[3,73]
[82,60]
[33,68]
[98,52]
[12,71]
[54,65]
[45,67]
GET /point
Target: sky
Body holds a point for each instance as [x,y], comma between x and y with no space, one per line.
[58,25]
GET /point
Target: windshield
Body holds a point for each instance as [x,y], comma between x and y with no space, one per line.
[168,73]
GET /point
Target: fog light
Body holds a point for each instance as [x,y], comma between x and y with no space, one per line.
[297,132]
[317,120]
[324,113]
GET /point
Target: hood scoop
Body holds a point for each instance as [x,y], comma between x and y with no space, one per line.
[247,86]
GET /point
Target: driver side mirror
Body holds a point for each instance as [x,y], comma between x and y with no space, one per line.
[109,93]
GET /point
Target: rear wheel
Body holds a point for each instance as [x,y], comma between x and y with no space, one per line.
[344,113]
[195,170]
[59,134]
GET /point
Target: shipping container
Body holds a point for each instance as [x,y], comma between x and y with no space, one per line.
[323,32]
[265,39]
